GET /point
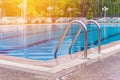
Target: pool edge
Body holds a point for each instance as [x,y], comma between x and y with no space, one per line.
[60,70]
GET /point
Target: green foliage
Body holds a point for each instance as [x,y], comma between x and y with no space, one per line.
[112,5]
[89,14]
[79,8]
[11,8]
[91,7]
[57,13]
[39,8]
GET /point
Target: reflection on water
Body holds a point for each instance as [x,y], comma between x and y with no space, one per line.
[40,41]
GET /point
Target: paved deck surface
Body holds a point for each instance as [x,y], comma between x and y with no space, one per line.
[107,69]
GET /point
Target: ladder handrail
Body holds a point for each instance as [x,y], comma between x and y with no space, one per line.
[99,34]
[65,32]
[74,40]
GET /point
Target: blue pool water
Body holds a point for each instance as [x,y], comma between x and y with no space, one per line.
[38,42]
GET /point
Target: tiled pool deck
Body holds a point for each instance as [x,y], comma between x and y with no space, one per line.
[69,67]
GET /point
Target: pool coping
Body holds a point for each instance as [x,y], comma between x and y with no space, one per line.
[61,66]
[49,24]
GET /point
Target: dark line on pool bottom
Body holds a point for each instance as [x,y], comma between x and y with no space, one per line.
[19,35]
[28,34]
[82,48]
[18,48]
[37,43]
[96,42]
[35,33]
[28,28]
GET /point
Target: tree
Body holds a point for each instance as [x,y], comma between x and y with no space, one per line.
[60,7]
[89,14]
[113,6]
[89,5]
[11,7]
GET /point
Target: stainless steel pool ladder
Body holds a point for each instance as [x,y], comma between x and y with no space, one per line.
[65,32]
[99,34]
[85,36]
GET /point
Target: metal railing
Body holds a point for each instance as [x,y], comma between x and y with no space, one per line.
[74,40]
[76,36]
[65,32]
[99,35]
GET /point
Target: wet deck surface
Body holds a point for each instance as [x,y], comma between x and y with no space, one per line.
[106,69]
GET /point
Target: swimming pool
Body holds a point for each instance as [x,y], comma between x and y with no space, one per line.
[38,42]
